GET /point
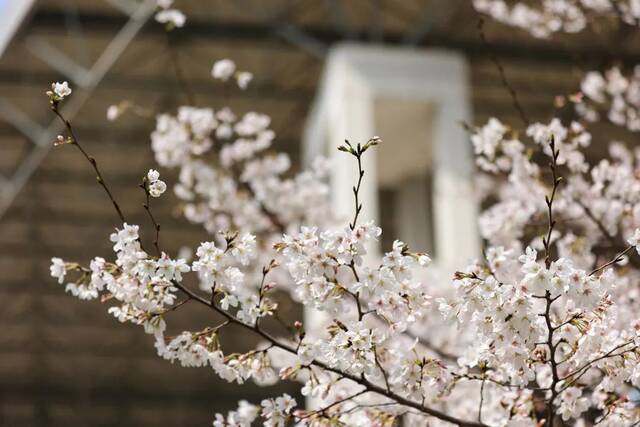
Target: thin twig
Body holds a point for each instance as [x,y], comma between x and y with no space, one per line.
[356,189]
[177,68]
[272,216]
[552,359]
[384,373]
[357,152]
[500,383]
[356,296]
[336,403]
[616,260]
[597,222]
[156,225]
[549,201]
[176,306]
[431,347]
[74,141]
[503,76]
[607,355]
[481,401]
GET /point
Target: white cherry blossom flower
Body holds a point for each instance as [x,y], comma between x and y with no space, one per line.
[59,90]
[172,17]
[244,78]
[113,112]
[58,269]
[223,69]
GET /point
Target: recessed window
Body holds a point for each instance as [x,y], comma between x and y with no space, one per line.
[404,172]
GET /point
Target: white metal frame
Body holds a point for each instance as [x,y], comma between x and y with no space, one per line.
[12,13]
[87,81]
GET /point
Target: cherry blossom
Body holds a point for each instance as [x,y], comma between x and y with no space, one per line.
[542,18]
[58,91]
[223,69]
[613,95]
[58,269]
[541,329]
[172,18]
[154,184]
[244,78]
[113,112]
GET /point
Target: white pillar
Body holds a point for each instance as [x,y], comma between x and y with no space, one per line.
[356,78]
[412,214]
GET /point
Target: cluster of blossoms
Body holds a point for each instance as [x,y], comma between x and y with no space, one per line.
[202,348]
[544,17]
[500,151]
[154,185]
[596,219]
[169,16]
[599,202]
[275,412]
[146,288]
[143,286]
[323,268]
[509,300]
[58,91]
[546,326]
[613,92]
[220,272]
[224,69]
[246,188]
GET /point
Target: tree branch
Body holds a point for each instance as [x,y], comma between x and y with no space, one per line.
[371,387]
[74,141]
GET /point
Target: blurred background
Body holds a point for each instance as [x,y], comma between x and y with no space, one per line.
[67,363]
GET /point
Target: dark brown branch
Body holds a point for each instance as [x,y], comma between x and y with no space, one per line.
[616,260]
[371,387]
[357,379]
[598,223]
[74,141]
[547,297]
[384,373]
[552,359]
[481,400]
[179,72]
[611,353]
[175,306]
[549,201]
[431,347]
[272,216]
[336,403]
[147,207]
[356,190]
[357,152]
[503,77]
[356,296]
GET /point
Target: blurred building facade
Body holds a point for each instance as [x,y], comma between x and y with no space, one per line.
[67,363]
